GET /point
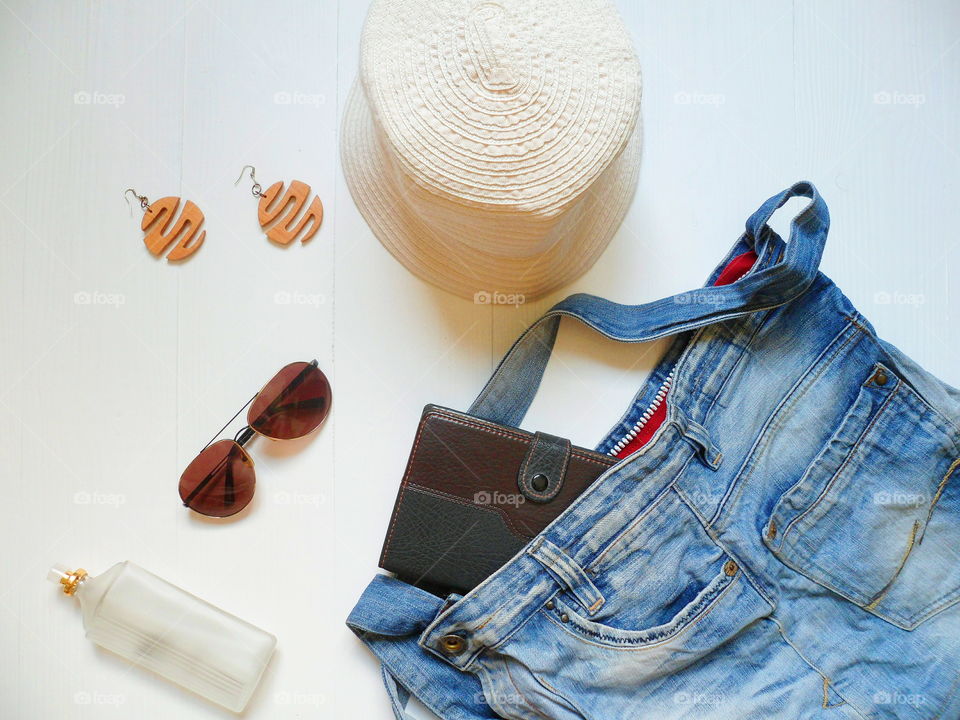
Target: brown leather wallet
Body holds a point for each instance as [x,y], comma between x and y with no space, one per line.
[474,493]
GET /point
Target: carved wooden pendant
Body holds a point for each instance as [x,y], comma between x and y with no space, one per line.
[287,229]
[162,231]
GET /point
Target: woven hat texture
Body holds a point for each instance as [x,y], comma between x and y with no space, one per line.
[493,147]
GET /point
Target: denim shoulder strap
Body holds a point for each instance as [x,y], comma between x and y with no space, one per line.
[508,394]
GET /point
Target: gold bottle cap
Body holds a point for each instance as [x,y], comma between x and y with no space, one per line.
[70,579]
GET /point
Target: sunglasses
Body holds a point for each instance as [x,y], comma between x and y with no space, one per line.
[220,481]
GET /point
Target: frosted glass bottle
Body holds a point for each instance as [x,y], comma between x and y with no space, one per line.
[152,623]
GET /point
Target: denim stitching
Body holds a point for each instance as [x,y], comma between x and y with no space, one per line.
[563,699]
[664,633]
[833,479]
[819,365]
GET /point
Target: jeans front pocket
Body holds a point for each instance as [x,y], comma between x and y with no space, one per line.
[659,577]
[875,517]
[619,637]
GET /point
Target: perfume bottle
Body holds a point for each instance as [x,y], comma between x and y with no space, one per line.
[152,623]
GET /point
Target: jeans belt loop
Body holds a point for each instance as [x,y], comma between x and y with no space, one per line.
[697,435]
[568,574]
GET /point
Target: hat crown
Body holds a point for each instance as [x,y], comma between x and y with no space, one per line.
[510,105]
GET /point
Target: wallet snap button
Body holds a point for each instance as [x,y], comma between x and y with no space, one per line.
[539,482]
[452,644]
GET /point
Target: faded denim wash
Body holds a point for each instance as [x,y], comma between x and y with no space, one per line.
[785,545]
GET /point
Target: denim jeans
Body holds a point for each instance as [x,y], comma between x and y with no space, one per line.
[784,543]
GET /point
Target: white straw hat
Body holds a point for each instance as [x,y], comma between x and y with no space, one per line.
[493,147]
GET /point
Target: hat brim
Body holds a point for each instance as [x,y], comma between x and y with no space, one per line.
[453,264]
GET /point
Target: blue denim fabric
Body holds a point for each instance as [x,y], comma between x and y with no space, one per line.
[786,545]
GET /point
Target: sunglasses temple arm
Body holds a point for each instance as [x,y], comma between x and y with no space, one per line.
[311,404]
[228,496]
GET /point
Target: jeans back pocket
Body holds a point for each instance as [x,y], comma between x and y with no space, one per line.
[875,517]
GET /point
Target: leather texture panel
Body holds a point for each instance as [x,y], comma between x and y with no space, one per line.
[473,467]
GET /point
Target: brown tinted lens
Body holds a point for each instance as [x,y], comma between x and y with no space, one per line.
[292,404]
[220,481]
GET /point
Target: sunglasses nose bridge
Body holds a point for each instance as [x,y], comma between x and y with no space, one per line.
[243,437]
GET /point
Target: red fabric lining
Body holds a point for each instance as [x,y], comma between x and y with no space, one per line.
[734,270]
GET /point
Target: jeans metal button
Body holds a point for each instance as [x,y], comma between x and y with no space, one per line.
[452,644]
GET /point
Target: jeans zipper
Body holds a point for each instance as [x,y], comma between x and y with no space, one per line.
[655,404]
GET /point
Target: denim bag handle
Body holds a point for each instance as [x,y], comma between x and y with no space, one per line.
[508,394]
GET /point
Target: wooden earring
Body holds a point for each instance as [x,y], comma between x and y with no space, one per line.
[163,228]
[280,212]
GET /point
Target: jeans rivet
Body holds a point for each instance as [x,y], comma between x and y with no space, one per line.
[880,378]
[730,568]
[452,644]
[550,605]
[772,530]
[564,617]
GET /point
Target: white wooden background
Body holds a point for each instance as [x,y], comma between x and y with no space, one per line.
[116,368]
